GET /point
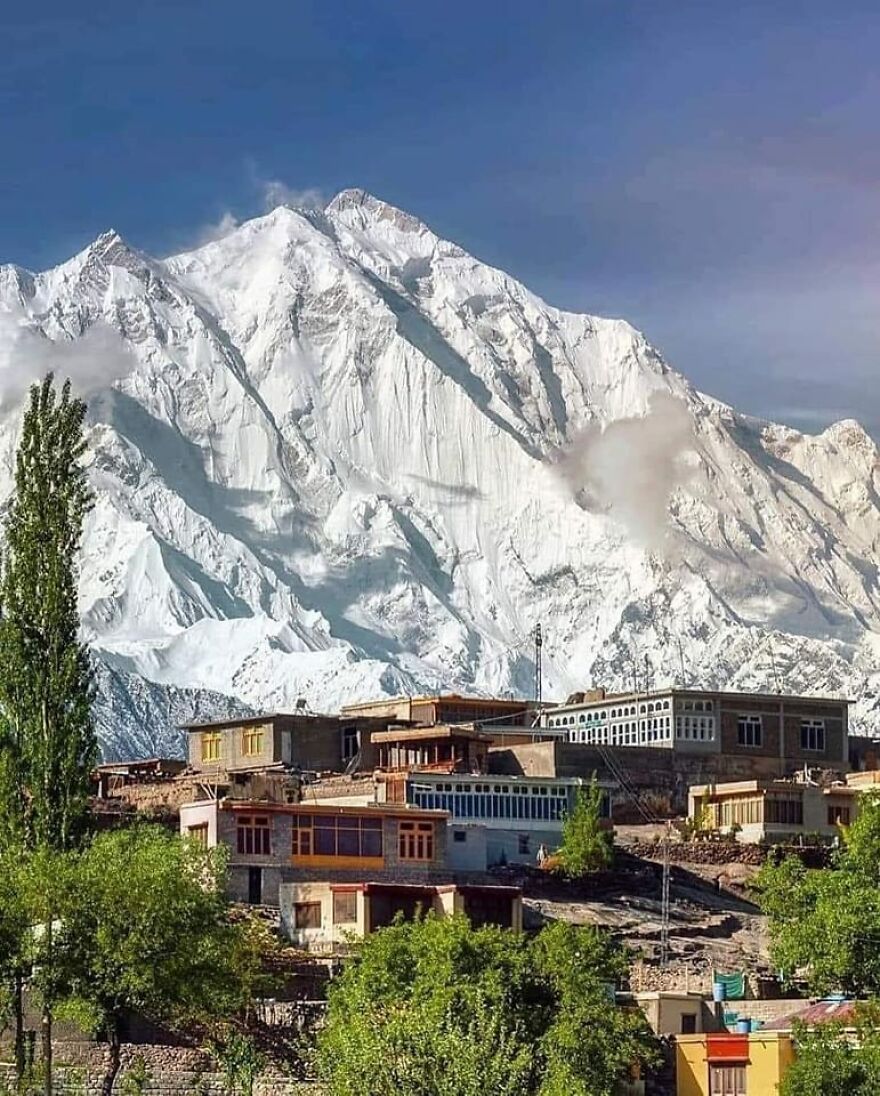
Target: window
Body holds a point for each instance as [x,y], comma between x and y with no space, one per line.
[337,835]
[688,1023]
[727,1080]
[307,915]
[199,834]
[211,745]
[459,836]
[416,840]
[254,835]
[344,907]
[838,816]
[252,741]
[813,735]
[784,810]
[749,731]
[523,844]
[351,743]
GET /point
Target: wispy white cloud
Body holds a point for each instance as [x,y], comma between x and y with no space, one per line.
[275,192]
[227,223]
[92,361]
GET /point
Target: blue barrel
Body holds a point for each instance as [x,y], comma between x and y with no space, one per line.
[743,1027]
[719,991]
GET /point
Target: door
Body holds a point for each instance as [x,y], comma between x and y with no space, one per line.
[255,886]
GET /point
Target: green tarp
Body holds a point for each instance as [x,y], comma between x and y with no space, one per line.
[734,985]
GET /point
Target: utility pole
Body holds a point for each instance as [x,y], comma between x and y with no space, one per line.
[647,674]
[664,903]
[539,643]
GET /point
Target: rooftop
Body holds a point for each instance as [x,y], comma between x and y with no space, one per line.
[430,734]
[372,810]
[591,701]
[755,787]
[521,704]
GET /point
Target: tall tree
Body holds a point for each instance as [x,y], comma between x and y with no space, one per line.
[148,931]
[47,741]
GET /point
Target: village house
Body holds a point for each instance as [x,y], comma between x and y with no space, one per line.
[283,740]
[789,728]
[772,811]
[323,916]
[429,710]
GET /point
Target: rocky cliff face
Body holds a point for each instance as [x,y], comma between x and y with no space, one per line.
[336,456]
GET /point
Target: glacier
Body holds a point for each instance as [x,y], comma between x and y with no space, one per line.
[336,457]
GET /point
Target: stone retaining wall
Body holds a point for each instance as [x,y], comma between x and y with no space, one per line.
[171,1071]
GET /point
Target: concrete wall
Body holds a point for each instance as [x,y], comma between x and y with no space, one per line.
[664,773]
[467,847]
[768,1057]
[664,1011]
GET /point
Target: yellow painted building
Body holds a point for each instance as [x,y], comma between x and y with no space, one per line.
[732,1065]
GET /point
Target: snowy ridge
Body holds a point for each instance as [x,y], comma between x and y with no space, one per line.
[337,456]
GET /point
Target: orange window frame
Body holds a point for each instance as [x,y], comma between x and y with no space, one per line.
[416,841]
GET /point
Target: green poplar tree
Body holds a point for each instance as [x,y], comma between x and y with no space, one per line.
[47,740]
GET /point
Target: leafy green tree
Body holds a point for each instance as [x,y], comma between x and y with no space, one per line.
[834,1061]
[825,923]
[436,1008]
[149,932]
[586,847]
[13,944]
[47,741]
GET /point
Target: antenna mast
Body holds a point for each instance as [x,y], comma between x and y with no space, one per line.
[539,643]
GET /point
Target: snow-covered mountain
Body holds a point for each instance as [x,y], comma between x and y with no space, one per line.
[336,456]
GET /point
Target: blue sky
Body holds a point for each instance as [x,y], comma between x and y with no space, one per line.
[709,170]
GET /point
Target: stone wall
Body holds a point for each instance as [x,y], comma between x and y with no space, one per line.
[170,1071]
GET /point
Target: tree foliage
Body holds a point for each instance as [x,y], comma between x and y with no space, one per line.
[436,1008]
[47,742]
[835,1062]
[825,923]
[586,847]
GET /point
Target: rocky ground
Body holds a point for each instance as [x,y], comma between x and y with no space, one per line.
[714,923]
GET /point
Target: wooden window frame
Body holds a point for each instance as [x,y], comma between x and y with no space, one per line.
[304,843]
[252,741]
[728,1079]
[304,915]
[211,744]
[199,834]
[344,907]
[415,841]
[254,835]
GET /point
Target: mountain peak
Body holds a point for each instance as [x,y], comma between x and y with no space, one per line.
[363,206]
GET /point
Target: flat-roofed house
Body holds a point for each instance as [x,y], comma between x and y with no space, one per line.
[768,811]
[446,708]
[273,843]
[323,916]
[796,729]
[296,740]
